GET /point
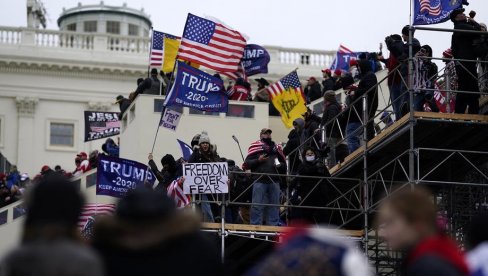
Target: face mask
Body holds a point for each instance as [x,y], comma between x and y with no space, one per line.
[267,140]
[310,158]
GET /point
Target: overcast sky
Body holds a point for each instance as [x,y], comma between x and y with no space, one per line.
[315,24]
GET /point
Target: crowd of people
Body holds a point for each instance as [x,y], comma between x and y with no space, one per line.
[149,235]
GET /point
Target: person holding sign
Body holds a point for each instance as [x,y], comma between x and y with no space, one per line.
[265,157]
[205,153]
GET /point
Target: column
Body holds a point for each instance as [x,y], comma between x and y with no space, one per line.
[26,135]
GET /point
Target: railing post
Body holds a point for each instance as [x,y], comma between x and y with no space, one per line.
[100,43]
[28,37]
[365,171]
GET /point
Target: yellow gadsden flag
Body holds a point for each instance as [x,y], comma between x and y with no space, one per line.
[170,51]
[287,97]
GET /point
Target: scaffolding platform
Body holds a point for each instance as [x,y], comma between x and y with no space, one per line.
[275,230]
[446,147]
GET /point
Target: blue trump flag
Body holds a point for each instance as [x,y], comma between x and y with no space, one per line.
[426,12]
[186,150]
[255,60]
[116,176]
[196,89]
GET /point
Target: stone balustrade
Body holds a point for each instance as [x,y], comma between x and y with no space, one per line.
[282,59]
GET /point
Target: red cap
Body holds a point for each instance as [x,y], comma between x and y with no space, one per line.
[311,78]
[45,168]
[82,154]
[353,62]
[327,71]
[337,72]
[447,53]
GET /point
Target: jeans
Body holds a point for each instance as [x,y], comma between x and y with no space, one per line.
[397,99]
[353,131]
[206,209]
[267,193]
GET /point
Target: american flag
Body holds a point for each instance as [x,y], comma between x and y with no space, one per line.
[103,126]
[237,74]
[432,7]
[175,192]
[157,49]
[290,81]
[91,210]
[344,50]
[211,45]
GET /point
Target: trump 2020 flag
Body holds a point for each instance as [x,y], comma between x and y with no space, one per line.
[428,12]
[255,60]
[186,150]
[342,58]
[287,97]
[211,44]
[117,176]
[196,89]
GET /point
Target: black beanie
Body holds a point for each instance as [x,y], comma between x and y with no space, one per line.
[145,204]
[168,159]
[56,201]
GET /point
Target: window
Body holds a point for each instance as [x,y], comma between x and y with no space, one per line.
[71,27]
[113,27]
[198,112]
[241,111]
[90,26]
[61,134]
[133,29]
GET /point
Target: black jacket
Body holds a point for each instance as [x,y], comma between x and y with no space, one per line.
[165,177]
[329,121]
[328,84]
[313,92]
[366,83]
[123,105]
[306,185]
[462,44]
[267,166]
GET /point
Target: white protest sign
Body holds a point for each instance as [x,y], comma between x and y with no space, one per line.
[206,178]
[170,119]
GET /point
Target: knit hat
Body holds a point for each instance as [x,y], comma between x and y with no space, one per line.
[406,30]
[455,13]
[204,138]
[145,204]
[299,122]
[330,96]
[168,159]
[447,53]
[45,206]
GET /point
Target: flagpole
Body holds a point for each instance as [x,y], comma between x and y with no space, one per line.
[150,52]
[167,90]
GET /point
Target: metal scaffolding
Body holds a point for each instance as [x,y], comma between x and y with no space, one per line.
[446,152]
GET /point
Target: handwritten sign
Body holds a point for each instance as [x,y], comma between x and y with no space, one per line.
[206,178]
[170,119]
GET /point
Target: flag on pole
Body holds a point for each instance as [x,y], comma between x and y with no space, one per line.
[157,49]
[211,44]
[186,150]
[170,51]
[426,12]
[342,58]
[287,97]
[237,74]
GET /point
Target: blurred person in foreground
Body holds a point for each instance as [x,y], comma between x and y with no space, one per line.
[408,223]
[313,251]
[51,244]
[148,236]
[477,244]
